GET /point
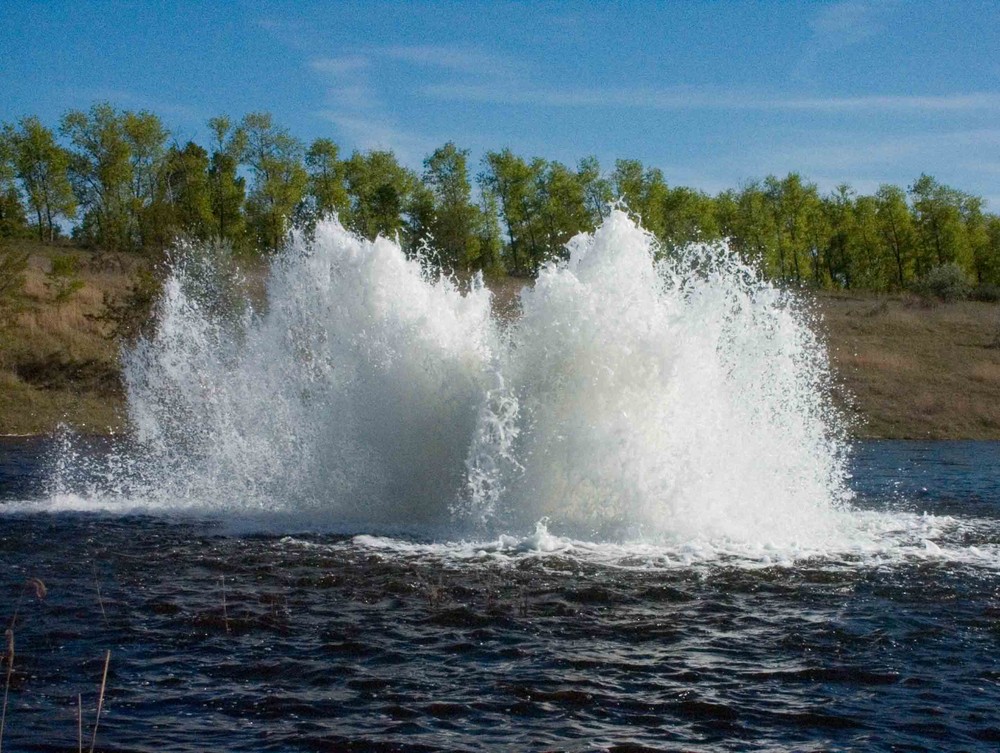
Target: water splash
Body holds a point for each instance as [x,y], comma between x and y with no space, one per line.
[352,394]
[683,398]
[675,398]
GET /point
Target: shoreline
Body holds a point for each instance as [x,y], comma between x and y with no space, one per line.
[902,367]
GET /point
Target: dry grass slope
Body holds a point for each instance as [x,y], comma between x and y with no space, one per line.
[56,365]
[915,370]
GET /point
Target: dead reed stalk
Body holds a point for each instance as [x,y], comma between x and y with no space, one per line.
[35,584]
[225,610]
[100,700]
[100,599]
[100,603]
[6,691]
[79,723]
[38,586]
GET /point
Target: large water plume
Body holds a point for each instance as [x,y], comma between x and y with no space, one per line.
[638,394]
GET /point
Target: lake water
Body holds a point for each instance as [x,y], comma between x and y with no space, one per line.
[228,640]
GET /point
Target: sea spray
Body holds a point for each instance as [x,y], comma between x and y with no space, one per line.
[352,394]
[681,397]
[671,397]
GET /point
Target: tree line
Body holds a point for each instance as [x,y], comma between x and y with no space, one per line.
[122,183]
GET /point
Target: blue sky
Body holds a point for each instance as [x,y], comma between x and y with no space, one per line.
[712,93]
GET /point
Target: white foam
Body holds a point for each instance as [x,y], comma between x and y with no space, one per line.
[894,540]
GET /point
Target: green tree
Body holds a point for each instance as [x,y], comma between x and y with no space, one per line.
[514,184]
[796,211]
[326,180]
[12,220]
[101,172]
[562,207]
[456,221]
[744,217]
[726,207]
[941,235]
[644,190]
[43,168]
[149,209]
[991,269]
[490,259]
[280,179]
[227,189]
[873,259]
[117,173]
[688,216]
[13,223]
[189,194]
[977,238]
[839,255]
[385,199]
[596,189]
[418,218]
[628,183]
[895,225]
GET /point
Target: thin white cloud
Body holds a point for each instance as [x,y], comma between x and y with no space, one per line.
[356,97]
[340,66]
[456,59]
[354,106]
[368,133]
[844,24]
[988,167]
[959,102]
[838,26]
[849,151]
[363,112]
[136,101]
[700,99]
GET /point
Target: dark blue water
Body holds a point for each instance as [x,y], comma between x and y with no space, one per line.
[330,643]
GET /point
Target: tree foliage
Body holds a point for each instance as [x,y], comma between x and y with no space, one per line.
[13,223]
[275,158]
[382,196]
[63,278]
[327,189]
[227,189]
[129,188]
[42,167]
[187,182]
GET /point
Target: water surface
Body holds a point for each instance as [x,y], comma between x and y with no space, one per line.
[328,642]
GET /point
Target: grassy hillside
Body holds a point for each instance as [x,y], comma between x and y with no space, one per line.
[912,369]
[56,364]
[906,368]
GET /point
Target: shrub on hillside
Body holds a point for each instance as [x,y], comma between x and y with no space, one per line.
[12,268]
[986,292]
[63,278]
[947,282]
[131,315]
